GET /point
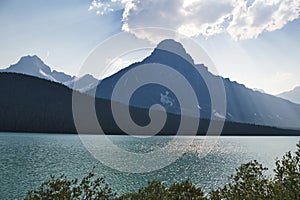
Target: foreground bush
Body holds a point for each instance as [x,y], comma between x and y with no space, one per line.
[62,189]
[249,183]
[156,190]
[286,183]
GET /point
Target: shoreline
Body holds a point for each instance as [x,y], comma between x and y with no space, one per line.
[158,135]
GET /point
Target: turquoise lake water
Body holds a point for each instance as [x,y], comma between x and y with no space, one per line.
[28,159]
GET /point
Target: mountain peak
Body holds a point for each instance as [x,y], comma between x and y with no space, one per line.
[33,59]
[30,64]
[175,47]
[171,44]
[34,66]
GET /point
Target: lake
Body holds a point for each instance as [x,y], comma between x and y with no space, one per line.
[28,159]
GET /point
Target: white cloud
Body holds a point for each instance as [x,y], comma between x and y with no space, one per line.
[262,15]
[241,19]
[104,7]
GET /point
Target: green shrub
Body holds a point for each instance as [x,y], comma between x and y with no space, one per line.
[251,183]
[286,183]
[248,183]
[62,189]
[156,190]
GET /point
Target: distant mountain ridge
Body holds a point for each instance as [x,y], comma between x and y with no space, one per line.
[292,95]
[82,84]
[34,66]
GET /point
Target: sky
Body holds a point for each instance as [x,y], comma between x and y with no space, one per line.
[253,42]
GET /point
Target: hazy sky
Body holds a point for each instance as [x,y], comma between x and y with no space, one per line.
[253,42]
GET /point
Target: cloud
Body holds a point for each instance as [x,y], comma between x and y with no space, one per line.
[104,7]
[262,15]
[241,19]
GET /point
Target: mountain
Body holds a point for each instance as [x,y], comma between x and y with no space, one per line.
[293,95]
[34,66]
[31,104]
[82,84]
[243,104]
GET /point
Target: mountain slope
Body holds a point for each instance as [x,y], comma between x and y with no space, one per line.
[293,95]
[243,104]
[31,104]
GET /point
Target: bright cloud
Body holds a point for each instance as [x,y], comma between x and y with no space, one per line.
[262,15]
[104,7]
[241,19]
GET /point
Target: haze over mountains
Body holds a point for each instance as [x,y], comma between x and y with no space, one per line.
[244,105]
[293,95]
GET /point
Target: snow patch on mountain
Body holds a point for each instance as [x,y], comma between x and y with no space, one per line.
[165,99]
[47,76]
[218,115]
